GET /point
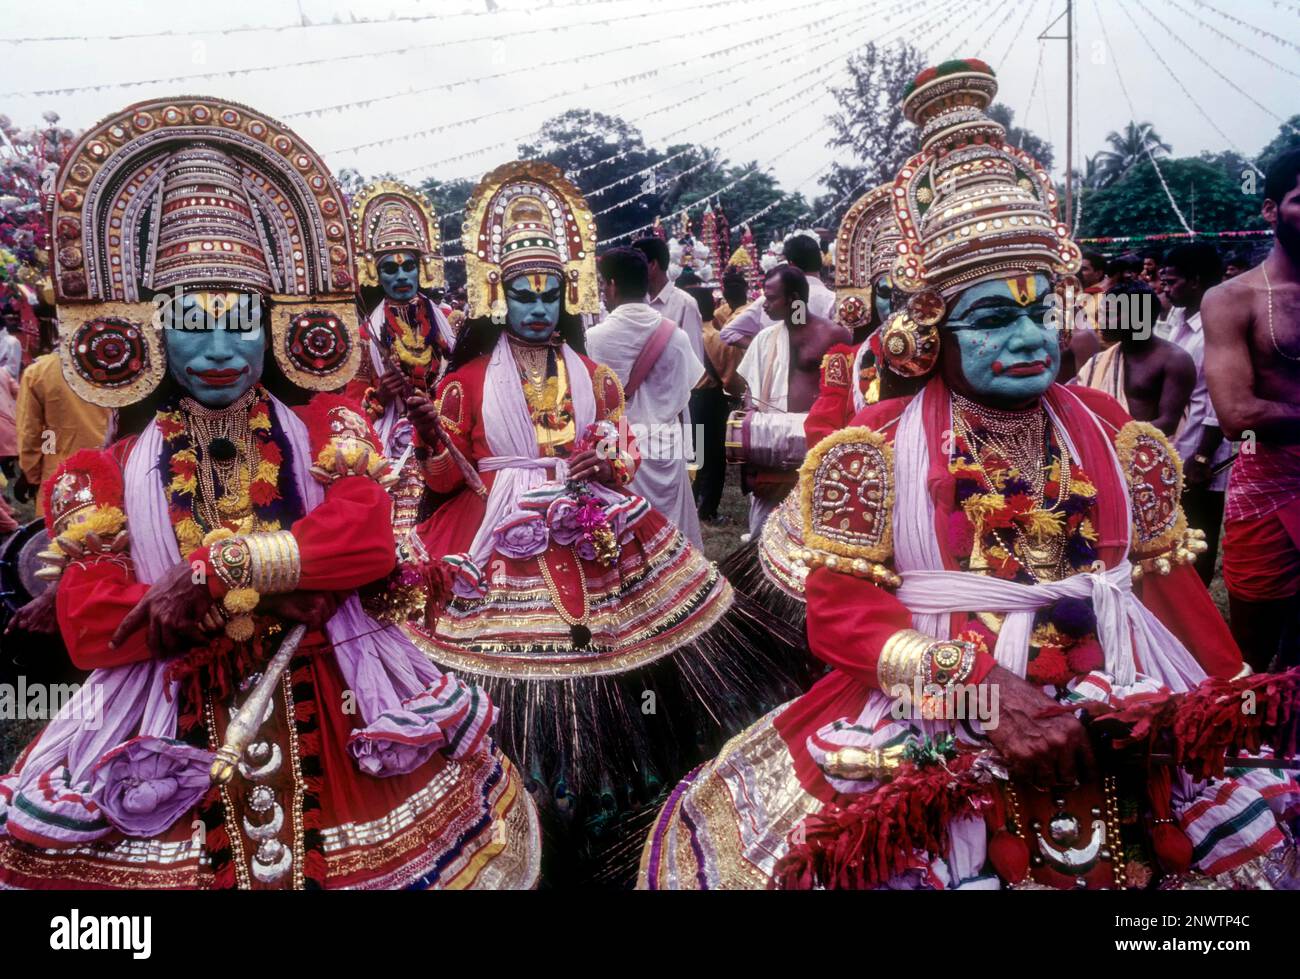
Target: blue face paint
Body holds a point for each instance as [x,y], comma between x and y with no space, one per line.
[213,364]
[1009,347]
[882,296]
[533,306]
[399,276]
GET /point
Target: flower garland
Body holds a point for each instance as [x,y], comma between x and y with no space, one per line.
[269,495]
[994,502]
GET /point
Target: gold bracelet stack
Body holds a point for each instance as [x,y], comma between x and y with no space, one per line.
[902,659]
[276,562]
[251,566]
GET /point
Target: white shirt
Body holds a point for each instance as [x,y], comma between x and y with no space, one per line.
[680,307]
[745,325]
[1186,331]
[657,410]
[11,354]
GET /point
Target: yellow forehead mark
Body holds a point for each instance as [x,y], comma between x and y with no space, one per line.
[214,303]
[1024,289]
[538,281]
[399,257]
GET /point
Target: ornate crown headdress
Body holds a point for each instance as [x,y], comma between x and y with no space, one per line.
[389,216]
[526,217]
[969,209]
[202,193]
[866,246]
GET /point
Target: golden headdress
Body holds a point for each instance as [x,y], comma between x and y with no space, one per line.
[206,194]
[389,216]
[970,209]
[865,247]
[527,217]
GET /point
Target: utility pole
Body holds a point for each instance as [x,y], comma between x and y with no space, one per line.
[1068,38]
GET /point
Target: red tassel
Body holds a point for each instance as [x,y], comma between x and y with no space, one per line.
[1173,848]
[1010,856]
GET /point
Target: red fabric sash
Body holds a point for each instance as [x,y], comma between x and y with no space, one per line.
[648,357]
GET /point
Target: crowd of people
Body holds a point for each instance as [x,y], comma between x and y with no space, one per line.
[381,584]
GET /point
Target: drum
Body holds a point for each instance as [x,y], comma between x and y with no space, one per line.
[772,440]
[19,564]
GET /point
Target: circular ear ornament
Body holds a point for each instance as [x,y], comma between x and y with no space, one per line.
[909,349]
[316,344]
[853,310]
[927,308]
[111,354]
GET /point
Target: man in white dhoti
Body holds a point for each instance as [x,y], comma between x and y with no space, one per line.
[781,371]
[657,367]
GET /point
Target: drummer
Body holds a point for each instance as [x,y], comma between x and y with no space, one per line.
[781,373]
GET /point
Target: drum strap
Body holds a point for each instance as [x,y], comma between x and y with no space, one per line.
[648,357]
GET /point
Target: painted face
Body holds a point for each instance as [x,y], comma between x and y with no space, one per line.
[212,355]
[882,296]
[533,306]
[399,275]
[1009,351]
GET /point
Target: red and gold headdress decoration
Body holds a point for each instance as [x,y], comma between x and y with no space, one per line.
[865,246]
[204,194]
[389,216]
[969,208]
[525,217]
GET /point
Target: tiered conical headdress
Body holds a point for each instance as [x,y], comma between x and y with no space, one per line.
[389,216]
[866,246]
[526,217]
[198,193]
[970,209]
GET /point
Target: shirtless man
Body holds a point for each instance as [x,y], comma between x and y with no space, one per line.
[1151,377]
[1252,363]
[781,370]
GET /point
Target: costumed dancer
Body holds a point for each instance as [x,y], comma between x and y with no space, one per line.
[615,649]
[981,536]
[407,338]
[225,534]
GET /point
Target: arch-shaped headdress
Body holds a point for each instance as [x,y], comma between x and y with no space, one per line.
[969,208]
[866,246]
[527,217]
[207,194]
[388,216]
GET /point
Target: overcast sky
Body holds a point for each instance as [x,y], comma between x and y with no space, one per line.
[460,41]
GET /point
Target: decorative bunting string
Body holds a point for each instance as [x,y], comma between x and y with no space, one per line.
[1200,56]
[1133,112]
[1173,235]
[1250,27]
[1230,39]
[506,143]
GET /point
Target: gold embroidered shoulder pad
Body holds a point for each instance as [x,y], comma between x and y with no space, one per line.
[609,394]
[1155,486]
[451,408]
[847,487]
[836,370]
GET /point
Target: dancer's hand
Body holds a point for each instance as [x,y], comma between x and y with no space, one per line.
[172,611]
[423,414]
[1043,751]
[38,616]
[311,608]
[391,386]
[588,466]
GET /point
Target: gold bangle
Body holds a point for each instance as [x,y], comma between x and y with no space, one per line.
[232,561]
[901,658]
[276,563]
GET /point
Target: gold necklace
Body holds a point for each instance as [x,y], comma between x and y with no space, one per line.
[225,449]
[1271,335]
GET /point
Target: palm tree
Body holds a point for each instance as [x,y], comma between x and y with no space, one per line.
[1128,148]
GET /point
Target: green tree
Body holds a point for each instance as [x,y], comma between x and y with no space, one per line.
[1288,138]
[870,123]
[1128,148]
[1136,204]
[1022,139]
[448,199]
[596,150]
